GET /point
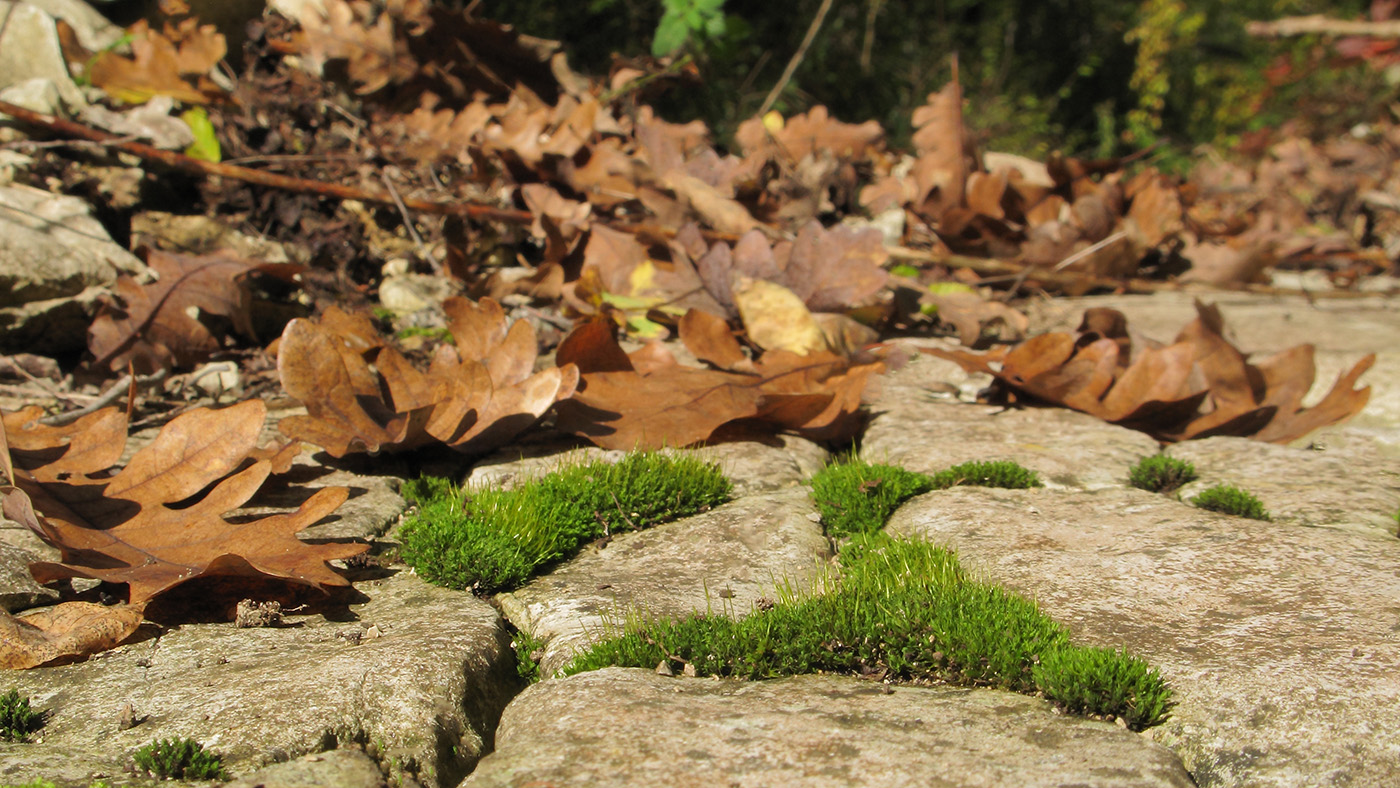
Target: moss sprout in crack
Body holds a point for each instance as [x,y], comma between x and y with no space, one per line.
[493,540]
[529,650]
[1160,473]
[179,759]
[17,719]
[856,497]
[906,609]
[1228,499]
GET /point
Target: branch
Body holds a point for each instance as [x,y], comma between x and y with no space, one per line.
[796,58]
[1290,26]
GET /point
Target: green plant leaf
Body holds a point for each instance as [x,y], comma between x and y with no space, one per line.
[671,35]
[206,142]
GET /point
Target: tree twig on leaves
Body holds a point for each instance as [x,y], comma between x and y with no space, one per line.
[796,58]
[1318,24]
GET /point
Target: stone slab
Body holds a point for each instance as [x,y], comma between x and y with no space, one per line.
[1354,487]
[722,560]
[418,672]
[918,425]
[632,727]
[1280,641]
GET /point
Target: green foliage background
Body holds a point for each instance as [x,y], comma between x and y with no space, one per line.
[1091,77]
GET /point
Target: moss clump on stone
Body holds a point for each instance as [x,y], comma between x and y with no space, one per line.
[904,608]
[493,540]
[1229,499]
[999,473]
[856,497]
[1160,473]
[17,719]
[179,759]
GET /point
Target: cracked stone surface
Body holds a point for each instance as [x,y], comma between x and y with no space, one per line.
[632,727]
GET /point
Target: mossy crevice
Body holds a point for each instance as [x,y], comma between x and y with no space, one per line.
[1160,473]
[1229,499]
[17,719]
[495,540]
[901,608]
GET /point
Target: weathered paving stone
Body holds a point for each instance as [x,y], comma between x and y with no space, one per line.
[725,559]
[915,429]
[632,727]
[754,467]
[348,768]
[1280,641]
[419,673]
[1354,487]
[18,591]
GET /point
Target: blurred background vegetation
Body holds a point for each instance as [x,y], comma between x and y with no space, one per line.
[1088,77]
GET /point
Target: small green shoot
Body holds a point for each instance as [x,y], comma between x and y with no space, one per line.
[856,497]
[904,608]
[493,540]
[440,334]
[1228,499]
[180,759]
[528,652]
[1160,473]
[17,719]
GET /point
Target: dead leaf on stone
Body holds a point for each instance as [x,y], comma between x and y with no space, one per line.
[972,316]
[1198,386]
[362,395]
[66,631]
[160,521]
[175,63]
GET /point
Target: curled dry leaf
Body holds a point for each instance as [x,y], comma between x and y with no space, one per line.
[61,632]
[647,400]
[1198,386]
[362,395]
[163,324]
[155,524]
[174,63]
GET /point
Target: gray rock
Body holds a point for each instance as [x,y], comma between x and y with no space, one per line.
[631,727]
[53,256]
[339,768]
[93,30]
[18,591]
[29,49]
[915,428]
[1279,640]
[419,673]
[723,560]
[1356,487]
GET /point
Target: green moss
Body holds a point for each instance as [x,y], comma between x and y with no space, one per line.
[440,334]
[907,609]
[17,719]
[1160,473]
[856,497]
[1228,499]
[179,759]
[491,540]
[999,473]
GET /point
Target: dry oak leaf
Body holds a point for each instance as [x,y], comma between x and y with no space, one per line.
[160,521]
[807,133]
[1196,387]
[163,324]
[174,64]
[362,395]
[647,400]
[63,632]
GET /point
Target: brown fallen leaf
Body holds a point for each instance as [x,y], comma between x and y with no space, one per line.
[164,324]
[775,318]
[175,63]
[1198,386]
[362,395]
[647,400]
[65,631]
[160,521]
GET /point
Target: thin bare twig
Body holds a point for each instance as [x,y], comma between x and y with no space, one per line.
[112,394]
[1290,26]
[796,58]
